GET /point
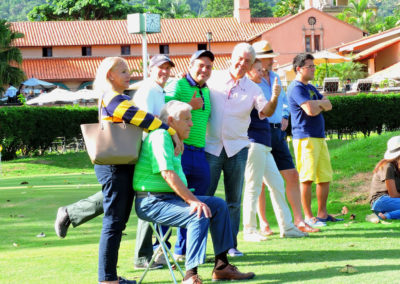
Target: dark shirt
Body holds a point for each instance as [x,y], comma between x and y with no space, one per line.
[378,186]
[304,125]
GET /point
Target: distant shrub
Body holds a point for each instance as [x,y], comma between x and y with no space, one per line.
[33,129]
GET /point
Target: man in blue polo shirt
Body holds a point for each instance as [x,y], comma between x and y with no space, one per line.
[308,129]
[278,122]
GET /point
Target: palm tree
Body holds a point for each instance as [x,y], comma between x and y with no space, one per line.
[359,14]
[10,56]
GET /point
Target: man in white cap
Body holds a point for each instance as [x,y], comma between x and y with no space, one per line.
[278,122]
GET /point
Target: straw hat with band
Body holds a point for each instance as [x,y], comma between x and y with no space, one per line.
[264,50]
[393,148]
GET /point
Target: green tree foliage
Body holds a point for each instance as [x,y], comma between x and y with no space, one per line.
[218,9]
[287,7]
[224,8]
[345,70]
[359,14]
[10,56]
[16,10]
[260,9]
[384,23]
[55,10]
[169,8]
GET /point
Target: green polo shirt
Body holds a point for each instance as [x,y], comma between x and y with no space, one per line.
[182,90]
[156,155]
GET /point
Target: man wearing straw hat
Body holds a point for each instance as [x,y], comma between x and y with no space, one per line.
[280,151]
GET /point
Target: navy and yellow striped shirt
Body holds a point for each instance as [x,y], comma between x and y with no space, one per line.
[117,108]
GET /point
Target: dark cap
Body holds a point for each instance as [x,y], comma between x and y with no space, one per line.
[202,53]
[160,59]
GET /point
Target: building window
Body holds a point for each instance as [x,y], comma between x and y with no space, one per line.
[125,50]
[86,50]
[47,52]
[308,43]
[316,43]
[202,46]
[164,49]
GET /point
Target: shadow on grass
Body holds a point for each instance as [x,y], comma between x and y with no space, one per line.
[324,273]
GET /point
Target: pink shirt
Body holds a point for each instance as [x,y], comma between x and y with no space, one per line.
[231,105]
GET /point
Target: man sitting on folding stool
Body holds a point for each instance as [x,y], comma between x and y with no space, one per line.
[162,197]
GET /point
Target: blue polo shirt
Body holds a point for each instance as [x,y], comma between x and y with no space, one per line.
[304,125]
[259,130]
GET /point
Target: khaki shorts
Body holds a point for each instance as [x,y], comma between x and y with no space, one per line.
[312,159]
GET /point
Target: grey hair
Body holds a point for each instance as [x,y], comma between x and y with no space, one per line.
[173,108]
[244,47]
[101,83]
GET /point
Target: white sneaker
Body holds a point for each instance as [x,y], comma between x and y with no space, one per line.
[314,222]
[179,257]
[254,236]
[160,258]
[293,233]
[234,252]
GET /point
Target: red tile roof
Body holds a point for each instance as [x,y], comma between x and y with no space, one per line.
[114,32]
[84,68]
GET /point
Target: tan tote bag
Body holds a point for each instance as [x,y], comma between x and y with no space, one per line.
[110,143]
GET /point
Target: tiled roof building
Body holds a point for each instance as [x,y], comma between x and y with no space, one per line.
[69,52]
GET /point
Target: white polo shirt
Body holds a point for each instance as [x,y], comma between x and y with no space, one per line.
[231,105]
[150,97]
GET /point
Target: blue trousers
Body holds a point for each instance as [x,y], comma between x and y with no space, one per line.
[171,210]
[197,172]
[233,169]
[116,182]
[387,205]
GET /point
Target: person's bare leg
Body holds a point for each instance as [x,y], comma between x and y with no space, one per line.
[322,197]
[291,178]
[261,209]
[305,188]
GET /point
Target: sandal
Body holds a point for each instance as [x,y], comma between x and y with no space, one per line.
[330,218]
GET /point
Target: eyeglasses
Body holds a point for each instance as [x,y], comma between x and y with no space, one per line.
[309,66]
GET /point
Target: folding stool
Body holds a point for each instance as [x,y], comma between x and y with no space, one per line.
[166,252]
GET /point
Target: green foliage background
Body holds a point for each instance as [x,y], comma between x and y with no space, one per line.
[33,129]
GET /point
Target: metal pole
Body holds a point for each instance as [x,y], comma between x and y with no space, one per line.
[144,54]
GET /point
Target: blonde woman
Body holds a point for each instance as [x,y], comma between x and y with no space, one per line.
[112,79]
[384,193]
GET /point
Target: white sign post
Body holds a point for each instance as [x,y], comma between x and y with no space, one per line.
[144,24]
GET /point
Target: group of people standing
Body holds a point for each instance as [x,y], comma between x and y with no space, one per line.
[231,121]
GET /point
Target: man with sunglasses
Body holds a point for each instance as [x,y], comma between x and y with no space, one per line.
[306,105]
[192,89]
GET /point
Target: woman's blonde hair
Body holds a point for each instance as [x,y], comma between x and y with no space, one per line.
[101,83]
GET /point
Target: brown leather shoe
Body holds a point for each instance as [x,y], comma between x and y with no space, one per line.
[193,280]
[231,272]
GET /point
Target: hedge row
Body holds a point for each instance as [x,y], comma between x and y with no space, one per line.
[33,129]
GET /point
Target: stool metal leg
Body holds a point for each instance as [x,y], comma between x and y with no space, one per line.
[166,251]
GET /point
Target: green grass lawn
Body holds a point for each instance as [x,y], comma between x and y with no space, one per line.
[32,189]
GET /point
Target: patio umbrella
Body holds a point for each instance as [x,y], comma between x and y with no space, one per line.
[85,94]
[38,84]
[326,57]
[57,95]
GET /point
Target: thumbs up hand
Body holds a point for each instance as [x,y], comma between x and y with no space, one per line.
[196,103]
[276,88]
